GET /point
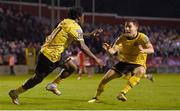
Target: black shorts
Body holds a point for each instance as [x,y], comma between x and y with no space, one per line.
[45,66]
[125,68]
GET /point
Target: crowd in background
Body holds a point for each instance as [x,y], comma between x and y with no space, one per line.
[19,31]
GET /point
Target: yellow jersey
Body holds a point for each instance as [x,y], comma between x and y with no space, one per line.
[129,51]
[62,36]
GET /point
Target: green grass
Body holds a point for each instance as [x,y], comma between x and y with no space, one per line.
[163,94]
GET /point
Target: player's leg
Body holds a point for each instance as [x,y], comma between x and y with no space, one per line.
[148,76]
[68,69]
[83,70]
[133,81]
[80,72]
[43,68]
[111,74]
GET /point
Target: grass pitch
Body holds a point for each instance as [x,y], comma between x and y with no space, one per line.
[163,94]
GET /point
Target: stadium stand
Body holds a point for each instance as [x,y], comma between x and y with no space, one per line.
[22,30]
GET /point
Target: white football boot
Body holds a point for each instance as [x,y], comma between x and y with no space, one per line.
[53,88]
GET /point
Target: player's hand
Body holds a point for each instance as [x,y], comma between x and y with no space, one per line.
[97,32]
[99,62]
[106,46]
[141,49]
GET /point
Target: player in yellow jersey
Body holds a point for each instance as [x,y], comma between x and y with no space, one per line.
[131,48]
[52,53]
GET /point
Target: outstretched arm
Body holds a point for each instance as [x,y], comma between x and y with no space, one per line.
[86,50]
[111,50]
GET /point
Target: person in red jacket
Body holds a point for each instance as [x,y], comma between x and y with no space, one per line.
[85,65]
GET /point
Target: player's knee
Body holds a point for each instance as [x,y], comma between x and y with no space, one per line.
[140,72]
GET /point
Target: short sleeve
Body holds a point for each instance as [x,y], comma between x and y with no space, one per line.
[145,39]
[76,33]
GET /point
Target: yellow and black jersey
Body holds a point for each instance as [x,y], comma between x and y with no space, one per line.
[62,36]
[129,50]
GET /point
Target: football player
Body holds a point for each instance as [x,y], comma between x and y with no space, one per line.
[132,48]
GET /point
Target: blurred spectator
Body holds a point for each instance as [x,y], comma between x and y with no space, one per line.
[12,61]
